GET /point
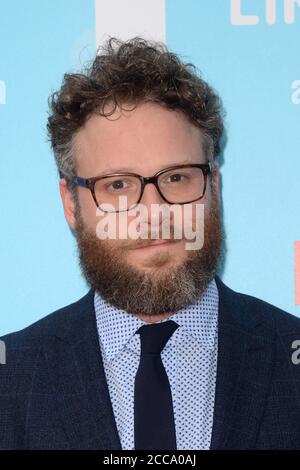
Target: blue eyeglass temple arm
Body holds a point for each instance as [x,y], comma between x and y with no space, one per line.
[79,181]
[75,180]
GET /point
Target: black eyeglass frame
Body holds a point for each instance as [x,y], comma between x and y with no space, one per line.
[207,168]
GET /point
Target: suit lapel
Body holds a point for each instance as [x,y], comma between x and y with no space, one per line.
[79,382]
[245,358]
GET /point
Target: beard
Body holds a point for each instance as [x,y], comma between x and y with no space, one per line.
[104,266]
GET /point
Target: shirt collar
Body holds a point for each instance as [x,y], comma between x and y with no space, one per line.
[116,327]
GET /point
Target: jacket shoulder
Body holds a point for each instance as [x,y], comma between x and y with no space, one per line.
[282,319]
[249,308]
[56,323]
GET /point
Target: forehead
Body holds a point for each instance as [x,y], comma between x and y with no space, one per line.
[144,139]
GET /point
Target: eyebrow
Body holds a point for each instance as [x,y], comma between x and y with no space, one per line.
[131,170]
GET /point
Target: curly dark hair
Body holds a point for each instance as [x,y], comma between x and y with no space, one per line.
[135,71]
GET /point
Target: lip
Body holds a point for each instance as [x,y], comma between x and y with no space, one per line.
[156,243]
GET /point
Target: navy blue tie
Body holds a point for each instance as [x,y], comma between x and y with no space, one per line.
[154,427]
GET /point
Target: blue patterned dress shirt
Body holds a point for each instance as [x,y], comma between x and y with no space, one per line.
[189,357]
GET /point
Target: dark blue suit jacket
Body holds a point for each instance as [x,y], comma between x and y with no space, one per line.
[54,395]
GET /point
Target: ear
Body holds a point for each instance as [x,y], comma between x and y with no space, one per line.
[68,203]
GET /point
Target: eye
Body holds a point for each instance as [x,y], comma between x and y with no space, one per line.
[176,177]
[116,185]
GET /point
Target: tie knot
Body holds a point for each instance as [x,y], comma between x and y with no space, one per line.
[154,337]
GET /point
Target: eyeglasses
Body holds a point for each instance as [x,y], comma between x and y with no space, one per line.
[180,184]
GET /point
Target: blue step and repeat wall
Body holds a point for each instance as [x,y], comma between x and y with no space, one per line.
[249,50]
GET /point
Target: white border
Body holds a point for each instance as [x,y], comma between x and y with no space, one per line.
[125,19]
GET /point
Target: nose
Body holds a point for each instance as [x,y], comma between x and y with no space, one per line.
[152,196]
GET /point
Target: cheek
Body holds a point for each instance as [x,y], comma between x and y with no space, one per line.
[117,227]
[193,217]
[88,209]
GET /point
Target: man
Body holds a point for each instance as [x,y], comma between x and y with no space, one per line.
[160,353]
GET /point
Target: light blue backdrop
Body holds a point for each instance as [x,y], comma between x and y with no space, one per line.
[252,67]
